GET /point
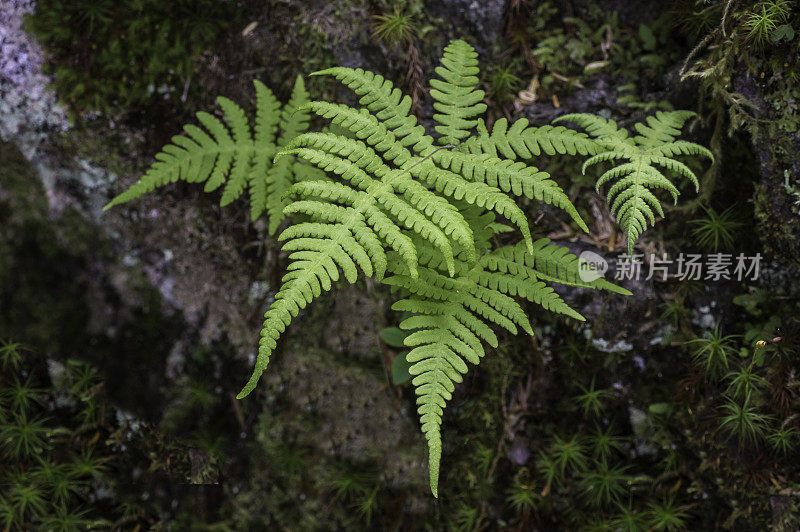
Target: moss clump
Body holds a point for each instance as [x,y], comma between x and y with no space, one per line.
[51,451]
[110,55]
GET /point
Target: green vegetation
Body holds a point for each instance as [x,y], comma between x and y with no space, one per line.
[716,231]
[113,56]
[561,51]
[47,468]
[235,154]
[432,208]
[677,408]
[630,198]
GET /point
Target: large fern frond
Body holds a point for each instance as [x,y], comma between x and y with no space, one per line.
[631,196]
[418,217]
[392,178]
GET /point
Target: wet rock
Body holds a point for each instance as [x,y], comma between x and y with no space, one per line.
[776,144]
[480,22]
[618,321]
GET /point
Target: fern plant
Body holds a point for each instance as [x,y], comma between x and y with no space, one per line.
[631,196]
[420,213]
[234,156]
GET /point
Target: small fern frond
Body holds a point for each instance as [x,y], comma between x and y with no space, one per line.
[631,198]
[231,155]
[456,95]
[201,155]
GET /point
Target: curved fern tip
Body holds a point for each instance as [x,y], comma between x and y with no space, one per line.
[529,244]
[251,384]
[283,153]
[323,72]
[433,465]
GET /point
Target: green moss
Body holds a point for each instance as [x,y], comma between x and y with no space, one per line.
[49,458]
[116,55]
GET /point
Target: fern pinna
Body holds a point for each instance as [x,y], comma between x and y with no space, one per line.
[235,157]
[417,212]
[630,198]
[452,315]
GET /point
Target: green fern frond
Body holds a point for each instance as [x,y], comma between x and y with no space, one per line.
[458,99]
[200,157]
[234,157]
[511,177]
[266,130]
[432,209]
[476,193]
[387,132]
[525,141]
[548,262]
[597,126]
[366,127]
[631,197]
[447,332]
[317,252]
[453,316]
[662,128]
[480,158]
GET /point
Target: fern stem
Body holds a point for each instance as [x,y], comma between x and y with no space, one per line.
[431,154]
